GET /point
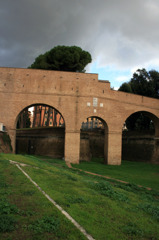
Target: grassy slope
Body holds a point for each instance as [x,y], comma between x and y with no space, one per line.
[25,213]
[106,211]
[140,173]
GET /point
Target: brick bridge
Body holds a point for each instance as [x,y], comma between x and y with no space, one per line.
[76,96]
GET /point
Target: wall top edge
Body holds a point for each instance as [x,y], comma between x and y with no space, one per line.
[43,70]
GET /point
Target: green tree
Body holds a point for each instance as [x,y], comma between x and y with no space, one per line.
[125,87]
[63,58]
[146,84]
[24,119]
[142,83]
[155,78]
[138,121]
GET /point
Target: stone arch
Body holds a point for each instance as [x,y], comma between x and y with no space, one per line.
[97,128]
[22,108]
[142,145]
[149,114]
[44,139]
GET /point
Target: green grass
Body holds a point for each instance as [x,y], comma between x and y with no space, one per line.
[106,209]
[140,173]
[25,213]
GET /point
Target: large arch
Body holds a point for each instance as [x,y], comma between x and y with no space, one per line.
[45,134]
[94,139]
[152,115]
[141,143]
[20,108]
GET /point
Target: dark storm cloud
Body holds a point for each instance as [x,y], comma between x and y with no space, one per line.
[120,32]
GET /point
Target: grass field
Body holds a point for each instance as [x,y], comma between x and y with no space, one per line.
[106,209]
[140,173]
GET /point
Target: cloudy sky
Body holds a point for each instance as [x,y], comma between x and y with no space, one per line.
[121,35]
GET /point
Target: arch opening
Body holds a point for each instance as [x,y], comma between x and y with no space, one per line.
[94,140]
[40,130]
[139,142]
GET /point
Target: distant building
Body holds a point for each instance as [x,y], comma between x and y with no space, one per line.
[46,116]
[92,123]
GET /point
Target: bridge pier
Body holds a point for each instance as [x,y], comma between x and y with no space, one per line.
[12,135]
[72,146]
[114,148]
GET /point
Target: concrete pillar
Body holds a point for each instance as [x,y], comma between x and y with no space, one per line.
[114,148]
[72,146]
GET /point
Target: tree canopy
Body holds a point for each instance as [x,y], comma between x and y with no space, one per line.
[143,83]
[63,58]
[146,84]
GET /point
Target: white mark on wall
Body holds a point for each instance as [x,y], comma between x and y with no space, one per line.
[95,102]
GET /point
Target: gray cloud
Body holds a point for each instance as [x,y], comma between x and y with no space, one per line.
[120,32]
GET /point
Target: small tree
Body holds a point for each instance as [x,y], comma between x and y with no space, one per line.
[63,58]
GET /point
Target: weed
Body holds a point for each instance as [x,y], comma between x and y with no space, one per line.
[28,193]
[69,176]
[132,229]
[3,185]
[129,187]
[74,199]
[7,208]
[150,209]
[7,223]
[46,224]
[149,195]
[105,188]
[27,213]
